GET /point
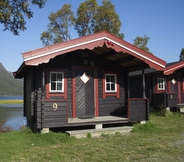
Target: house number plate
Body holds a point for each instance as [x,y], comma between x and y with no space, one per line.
[55,106]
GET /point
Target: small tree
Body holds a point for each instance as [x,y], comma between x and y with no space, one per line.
[182,54]
[59,26]
[14,12]
[141,42]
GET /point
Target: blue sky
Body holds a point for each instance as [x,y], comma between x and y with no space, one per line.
[161,20]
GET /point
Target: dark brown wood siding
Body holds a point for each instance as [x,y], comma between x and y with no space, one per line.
[28,93]
[172,100]
[138,109]
[111,104]
[155,77]
[47,116]
[54,113]
[136,87]
[159,100]
[38,96]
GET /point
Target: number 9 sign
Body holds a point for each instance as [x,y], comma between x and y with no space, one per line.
[55,106]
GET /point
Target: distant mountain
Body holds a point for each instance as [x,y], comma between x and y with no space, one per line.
[9,86]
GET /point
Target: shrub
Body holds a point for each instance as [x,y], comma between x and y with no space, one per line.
[160,110]
[89,135]
[3,128]
[145,128]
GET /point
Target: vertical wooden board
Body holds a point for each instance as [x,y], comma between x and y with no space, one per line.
[69,93]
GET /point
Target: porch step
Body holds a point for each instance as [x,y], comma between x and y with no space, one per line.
[99,132]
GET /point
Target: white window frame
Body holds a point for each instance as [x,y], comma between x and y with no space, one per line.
[57,81]
[161,83]
[115,83]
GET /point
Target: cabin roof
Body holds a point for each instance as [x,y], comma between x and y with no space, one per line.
[104,44]
[173,66]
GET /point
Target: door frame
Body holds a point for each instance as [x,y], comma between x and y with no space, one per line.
[95,69]
[179,91]
[178,86]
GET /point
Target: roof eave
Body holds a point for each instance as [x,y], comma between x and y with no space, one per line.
[19,73]
[171,69]
[43,55]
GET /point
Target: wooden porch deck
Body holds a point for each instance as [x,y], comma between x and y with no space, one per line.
[97,119]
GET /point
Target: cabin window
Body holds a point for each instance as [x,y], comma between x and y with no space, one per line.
[161,84]
[110,83]
[56,82]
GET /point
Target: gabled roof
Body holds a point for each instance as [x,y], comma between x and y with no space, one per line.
[172,67]
[104,44]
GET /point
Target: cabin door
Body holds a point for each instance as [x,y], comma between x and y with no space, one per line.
[84,93]
[175,88]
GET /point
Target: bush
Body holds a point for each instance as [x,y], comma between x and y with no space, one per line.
[145,128]
[4,129]
[160,110]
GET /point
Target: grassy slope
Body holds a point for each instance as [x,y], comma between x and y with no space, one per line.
[11,101]
[160,140]
[9,86]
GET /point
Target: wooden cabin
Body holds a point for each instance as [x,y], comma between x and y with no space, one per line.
[164,89]
[84,81]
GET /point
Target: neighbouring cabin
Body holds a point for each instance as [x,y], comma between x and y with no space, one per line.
[163,88]
[83,82]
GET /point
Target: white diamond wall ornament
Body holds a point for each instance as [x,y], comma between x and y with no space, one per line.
[84,78]
[173,81]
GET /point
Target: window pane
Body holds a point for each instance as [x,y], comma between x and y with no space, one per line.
[53,86]
[59,86]
[112,79]
[107,78]
[59,77]
[53,77]
[56,81]
[107,87]
[113,87]
[161,84]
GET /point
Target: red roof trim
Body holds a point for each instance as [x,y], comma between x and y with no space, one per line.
[171,69]
[43,55]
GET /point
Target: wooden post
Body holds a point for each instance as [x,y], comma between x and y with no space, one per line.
[127,101]
[143,83]
[128,91]
[43,92]
[165,94]
[43,82]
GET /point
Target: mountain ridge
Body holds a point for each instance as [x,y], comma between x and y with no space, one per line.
[9,86]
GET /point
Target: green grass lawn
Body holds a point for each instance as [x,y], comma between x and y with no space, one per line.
[11,101]
[160,140]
